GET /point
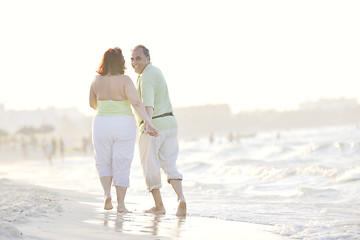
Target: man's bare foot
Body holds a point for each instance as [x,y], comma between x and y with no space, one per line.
[108,204]
[155,210]
[181,212]
[122,210]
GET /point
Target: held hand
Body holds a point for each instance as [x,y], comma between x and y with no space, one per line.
[151,130]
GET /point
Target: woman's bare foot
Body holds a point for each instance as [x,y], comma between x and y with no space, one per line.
[155,210]
[181,212]
[122,210]
[108,204]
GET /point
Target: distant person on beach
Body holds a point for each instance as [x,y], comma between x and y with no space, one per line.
[48,150]
[211,138]
[160,152]
[230,137]
[114,127]
[62,148]
[54,145]
[24,148]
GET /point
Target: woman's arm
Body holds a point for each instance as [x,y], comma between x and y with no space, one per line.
[138,105]
[150,111]
[92,98]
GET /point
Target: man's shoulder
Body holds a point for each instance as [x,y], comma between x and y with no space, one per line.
[153,70]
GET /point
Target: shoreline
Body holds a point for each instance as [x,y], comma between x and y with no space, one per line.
[45,213]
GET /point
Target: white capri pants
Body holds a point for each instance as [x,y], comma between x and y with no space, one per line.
[114,141]
[159,152]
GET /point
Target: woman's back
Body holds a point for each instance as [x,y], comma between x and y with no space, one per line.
[110,87]
[111,95]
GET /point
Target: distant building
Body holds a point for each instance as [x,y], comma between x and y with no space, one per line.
[203,120]
[63,120]
[330,104]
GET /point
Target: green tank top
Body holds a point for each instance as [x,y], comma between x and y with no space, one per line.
[113,108]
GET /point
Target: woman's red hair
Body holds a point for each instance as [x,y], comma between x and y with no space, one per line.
[113,62]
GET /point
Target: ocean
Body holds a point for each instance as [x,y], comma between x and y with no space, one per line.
[303,183]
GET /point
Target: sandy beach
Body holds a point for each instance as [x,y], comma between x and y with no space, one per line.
[256,189]
[33,212]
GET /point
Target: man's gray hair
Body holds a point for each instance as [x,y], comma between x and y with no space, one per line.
[145,50]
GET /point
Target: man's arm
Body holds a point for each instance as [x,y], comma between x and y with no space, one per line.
[148,93]
[132,95]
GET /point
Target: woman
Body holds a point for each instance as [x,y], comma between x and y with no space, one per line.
[114,127]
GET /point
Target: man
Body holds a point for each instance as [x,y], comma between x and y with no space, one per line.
[162,151]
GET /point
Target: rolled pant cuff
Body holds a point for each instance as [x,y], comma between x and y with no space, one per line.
[154,187]
[174,179]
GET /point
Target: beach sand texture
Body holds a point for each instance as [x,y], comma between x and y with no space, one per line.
[32,212]
[297,184]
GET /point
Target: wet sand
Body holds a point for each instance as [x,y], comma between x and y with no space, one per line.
[33,212]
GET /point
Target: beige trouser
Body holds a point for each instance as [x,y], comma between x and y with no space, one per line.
[159,152]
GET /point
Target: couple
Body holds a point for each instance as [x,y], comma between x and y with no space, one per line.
[114,128]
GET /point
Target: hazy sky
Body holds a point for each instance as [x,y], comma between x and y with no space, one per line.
[249,54]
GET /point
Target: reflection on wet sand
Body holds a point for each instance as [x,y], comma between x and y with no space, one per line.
[170,226]
[145,224]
